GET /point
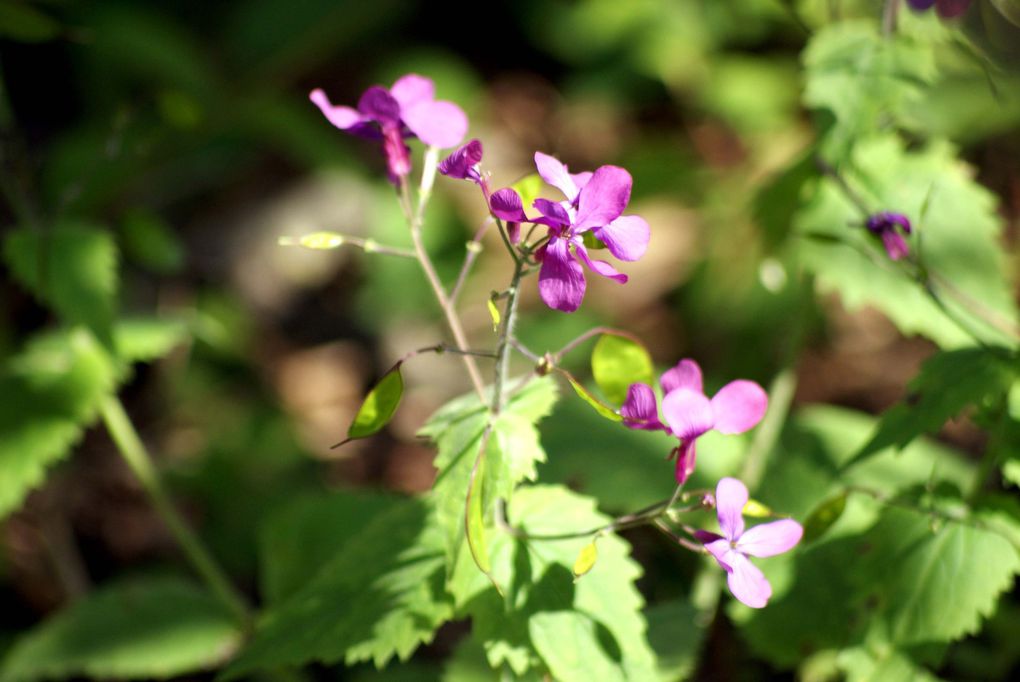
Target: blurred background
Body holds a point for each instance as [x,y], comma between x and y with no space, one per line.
[183,128]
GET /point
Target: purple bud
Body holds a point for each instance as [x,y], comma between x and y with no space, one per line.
[884,225]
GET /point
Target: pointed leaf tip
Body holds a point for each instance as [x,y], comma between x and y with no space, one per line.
[378,408]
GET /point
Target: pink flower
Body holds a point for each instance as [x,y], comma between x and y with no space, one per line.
[737,407]
[407,109]
[731,549]
[887,225]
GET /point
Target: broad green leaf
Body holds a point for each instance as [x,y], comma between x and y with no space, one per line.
[600,407]
[948,383]
[616,363]
[575,629]
[154,627]
[957,237]
[48,395]
[145,339]
[676,636]
[378,407]
[71,268]
[379,596]
[823,517]
[861,665]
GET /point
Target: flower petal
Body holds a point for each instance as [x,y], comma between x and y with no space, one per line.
[599,267]
[626,237]
[561,280]
[581,179]
[895,245]
[718,547]
[506,204]
[746,581]
[556,174]
[413,89]
[342,117]
[686,458]
[686,374]
[730,498]
[604,198]
[689,414]
[769,539]
[378,104]
[639,409]
[462,161]
[738,406]
[437,124]
[948,9]
[552,210]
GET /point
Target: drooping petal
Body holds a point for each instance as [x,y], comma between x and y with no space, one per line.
[413,89]
[378,104]
[686,458]
[561,280]
[895,245]
[769,539]
[730,498]
[461,162]
[746,581]
[639,409]
[688,413]
[686,374]
[554,211]
[718,547]
[603,199]
[437,124]
[506,204]
[738,406]
[599,267]
[556,174]
[342,117]
[626,237]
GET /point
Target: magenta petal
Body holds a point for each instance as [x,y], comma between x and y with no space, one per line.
[377,103]
[686,374]
[718,547]
[462,161]
[738,406]
[639,409]
[626,237]
[437,124]
[555,173]
[599,267]
[604,198]
[561,279]
[686,458]
[340,116]
[688,413]
[413,89]
[769,539]
[895,245]
[581,179]
[506,204]
[747,583]
[553,210]
[730,498]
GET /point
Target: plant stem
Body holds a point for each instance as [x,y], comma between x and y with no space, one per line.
[781,394]
[474,247]
[505,341]
[131,448]
[367,245]
[892,8]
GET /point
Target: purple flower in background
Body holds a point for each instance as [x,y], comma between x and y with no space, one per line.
[594,202]
[407,109]
[689,413]
[885,225]
[731,549]
[462,164]
[947,9]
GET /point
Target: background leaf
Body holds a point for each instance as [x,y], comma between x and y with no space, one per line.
[616,363]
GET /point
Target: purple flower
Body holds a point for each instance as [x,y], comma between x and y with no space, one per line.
[884,225]
[594,202]
[731,549]
[947,9]
[407,109]
[462,164]
[737,407]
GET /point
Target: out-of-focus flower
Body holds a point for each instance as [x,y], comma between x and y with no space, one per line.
[947,9]
[407,109]
[731,549]
[887,226]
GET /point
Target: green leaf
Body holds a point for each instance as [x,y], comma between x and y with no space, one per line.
[591,629]
[493,314]
[23,23]
[48,394]
[823,517]
[72,268]
[155,627]
[889,177]
[585,560]
[145,339]
[888,665]
[474,521]
[377,409]
[948,383]
[379,596]
[600,407]
[529,188]
[616,363]
[151,242]
[676,636]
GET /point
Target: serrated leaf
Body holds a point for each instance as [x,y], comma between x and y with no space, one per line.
[823,517]
[378,407]
[71,268]
[616,363]
[600,407]
[155,627]
[147,339]
[548,619]
[379,596]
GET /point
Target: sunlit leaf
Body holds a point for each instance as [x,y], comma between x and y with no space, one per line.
[600,407]
[493,314]
[378,407]
[144,339]
[616,363]
[586,559]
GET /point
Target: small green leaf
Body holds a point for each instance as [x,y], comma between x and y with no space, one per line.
[494,314]
[603,410]
[586,559]
[592,242]
[529,188]
[616,363]
[756,510]
[823,517]
[378,407]
[145,339]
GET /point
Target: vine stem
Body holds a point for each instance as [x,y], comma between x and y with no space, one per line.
[134,453]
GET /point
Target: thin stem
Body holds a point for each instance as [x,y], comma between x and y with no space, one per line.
[506,242]
[892,8]
[506,336]
[781,393]
[131,448]
[587,335]
[523,350]
[474,248]
[696,547]
[828,169]
[367,245]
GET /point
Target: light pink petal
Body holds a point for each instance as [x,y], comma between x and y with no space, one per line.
[340,116]
[738,406]
[555,173]
[747,582]
[437,124]
[505,204]
[561,279]
[581,179]
[686,458]
[600,267]
[769,539]
[686,374]
[626,237]
[689,414]
[720,548]
[603,199]
[413,89]
[639,409]
[730,498]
